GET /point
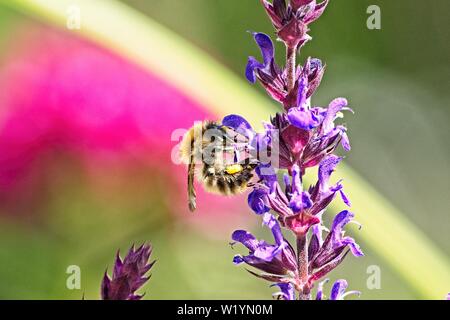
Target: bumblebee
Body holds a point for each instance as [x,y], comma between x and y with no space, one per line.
[217,155]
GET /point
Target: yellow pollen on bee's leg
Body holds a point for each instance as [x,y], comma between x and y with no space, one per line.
[235,168]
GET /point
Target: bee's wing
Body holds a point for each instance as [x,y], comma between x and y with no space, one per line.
[243,150]
[234,136]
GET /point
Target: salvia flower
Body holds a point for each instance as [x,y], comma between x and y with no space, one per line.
[270,75]
[326,256]
[274,78]
[277,261]
[128,275]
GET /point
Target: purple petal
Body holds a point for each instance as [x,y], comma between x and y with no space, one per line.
[237,259]
[341,219]
[270,221]
[246,238]
[315,65]
[257,201]
[333,108]
[265,44]
[313,246]
[317,231]
[345,198]
[287,290]
[252,65]
[345,142]
[237,123]
[296,179]
[306,200]
[268,175]
[287,183]
[262,143]
[303,119]
[319,294]
[338,289]
[266,252]
[302,90]
[354,247]
[326,168]
[300,202]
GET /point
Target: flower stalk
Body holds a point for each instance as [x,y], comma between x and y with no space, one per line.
[302,255]
[291,54]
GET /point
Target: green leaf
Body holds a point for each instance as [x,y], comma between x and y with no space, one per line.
[139,39]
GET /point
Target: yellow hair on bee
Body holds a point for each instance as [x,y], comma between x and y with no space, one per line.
[235,168]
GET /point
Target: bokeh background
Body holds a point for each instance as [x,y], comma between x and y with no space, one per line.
[85,144]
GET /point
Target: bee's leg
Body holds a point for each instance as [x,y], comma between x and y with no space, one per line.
[252,184]
[191,190]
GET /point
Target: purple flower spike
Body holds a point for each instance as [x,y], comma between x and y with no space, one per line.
[128,276]
[300,136]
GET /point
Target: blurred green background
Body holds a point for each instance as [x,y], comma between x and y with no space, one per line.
[397,80]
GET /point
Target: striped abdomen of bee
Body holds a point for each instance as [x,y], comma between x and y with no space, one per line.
[211,150]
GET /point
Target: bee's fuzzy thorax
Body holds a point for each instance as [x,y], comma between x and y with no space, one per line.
[187,144]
